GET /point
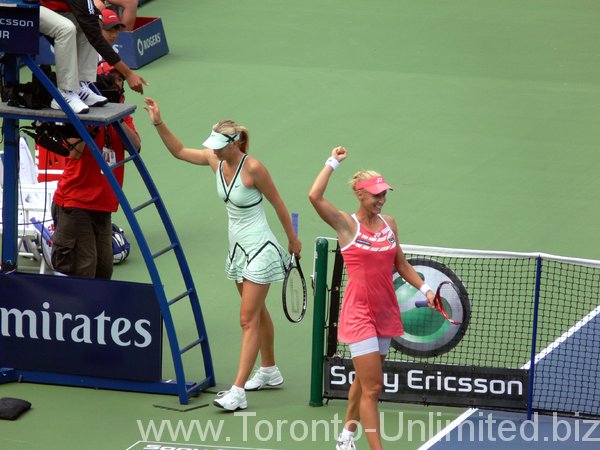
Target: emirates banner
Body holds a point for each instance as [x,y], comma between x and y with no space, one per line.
[80,326]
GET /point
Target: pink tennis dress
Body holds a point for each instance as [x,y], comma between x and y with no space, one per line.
[370,308]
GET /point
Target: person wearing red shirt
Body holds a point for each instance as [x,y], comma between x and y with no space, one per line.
[84,201]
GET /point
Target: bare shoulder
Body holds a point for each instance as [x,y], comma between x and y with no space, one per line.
[253,165]
[256,170]
[390,221]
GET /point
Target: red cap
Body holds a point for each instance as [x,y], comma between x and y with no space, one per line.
[375,185]
[110,19]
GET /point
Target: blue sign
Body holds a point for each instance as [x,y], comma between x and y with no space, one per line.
[19,27]
[80,326]
[144,44]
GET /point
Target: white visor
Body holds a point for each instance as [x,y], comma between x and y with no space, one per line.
[217,141]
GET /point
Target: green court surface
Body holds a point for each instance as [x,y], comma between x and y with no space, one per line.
[483,116]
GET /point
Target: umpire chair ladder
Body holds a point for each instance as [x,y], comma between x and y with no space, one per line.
[109,114]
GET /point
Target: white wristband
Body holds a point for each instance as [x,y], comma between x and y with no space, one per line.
[425,288]
[332,162]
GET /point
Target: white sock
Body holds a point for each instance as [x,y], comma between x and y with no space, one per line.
[347,433]
[270,369]
[237,389]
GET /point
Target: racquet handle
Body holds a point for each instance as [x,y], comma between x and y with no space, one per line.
[295,222]
[421,303]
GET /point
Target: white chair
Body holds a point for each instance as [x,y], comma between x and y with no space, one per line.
[44,236]
[34,199]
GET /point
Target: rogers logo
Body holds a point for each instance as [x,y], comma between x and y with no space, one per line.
[149,42]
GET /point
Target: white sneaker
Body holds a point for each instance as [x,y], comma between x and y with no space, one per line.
[345,443]
[231,400]
[89,97]
[264,379]
[73,100]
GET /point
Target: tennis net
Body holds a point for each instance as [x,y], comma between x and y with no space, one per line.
[517,306]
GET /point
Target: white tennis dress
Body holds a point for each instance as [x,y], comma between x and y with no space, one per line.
[254,253]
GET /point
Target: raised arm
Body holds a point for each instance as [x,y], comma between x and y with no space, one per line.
[205,157]
[340,221]
[261,178]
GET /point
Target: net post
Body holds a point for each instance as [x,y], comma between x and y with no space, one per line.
[318,331]
[536,303]
[334,302]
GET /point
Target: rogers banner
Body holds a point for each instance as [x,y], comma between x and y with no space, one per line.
[436,383]
[80,326]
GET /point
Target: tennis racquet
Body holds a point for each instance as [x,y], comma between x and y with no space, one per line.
[446,294]
[294,292]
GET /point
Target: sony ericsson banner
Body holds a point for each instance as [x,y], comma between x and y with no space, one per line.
[79,326]
[436,383]
[19,26]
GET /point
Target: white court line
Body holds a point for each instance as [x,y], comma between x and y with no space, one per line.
[566,335]
[468,413]
[448,428]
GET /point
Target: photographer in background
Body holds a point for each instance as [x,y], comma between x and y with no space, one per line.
[84,200]
[111,27]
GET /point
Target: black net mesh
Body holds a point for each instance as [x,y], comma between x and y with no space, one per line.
[497,329]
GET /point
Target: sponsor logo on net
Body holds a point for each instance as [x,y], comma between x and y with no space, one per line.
[483,427]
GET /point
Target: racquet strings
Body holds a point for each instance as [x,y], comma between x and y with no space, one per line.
[447,295]
[294,292]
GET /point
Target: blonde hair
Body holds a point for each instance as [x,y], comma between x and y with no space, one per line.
[230,128]
[362,175]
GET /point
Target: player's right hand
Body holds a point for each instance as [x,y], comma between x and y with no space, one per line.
[340,153]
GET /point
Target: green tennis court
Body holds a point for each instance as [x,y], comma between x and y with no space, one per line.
[483,116]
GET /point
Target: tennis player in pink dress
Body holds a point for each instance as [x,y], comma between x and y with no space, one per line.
[370,315]
[370,306]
